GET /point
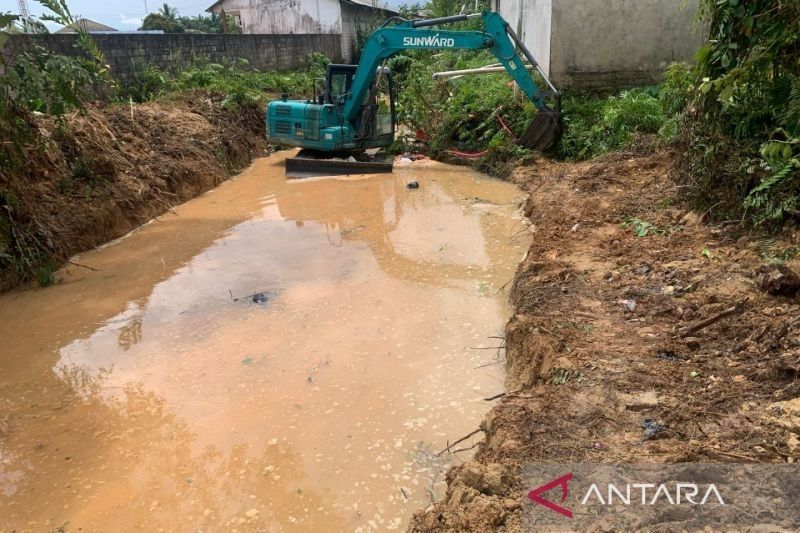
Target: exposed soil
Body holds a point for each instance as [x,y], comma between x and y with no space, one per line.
[608,332]
[100,173]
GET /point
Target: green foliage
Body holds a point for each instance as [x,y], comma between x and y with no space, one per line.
[43,82]
[93,61]
[745,123]
[468,114]
[643,228]
[168,20]
[159,21]
[46,83]
[465,114]
[596,126]
[241,85]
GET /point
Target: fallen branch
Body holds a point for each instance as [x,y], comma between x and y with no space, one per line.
[496,396]
[73,263]
[735,310]
[462,439]
[466,449]
[488,364]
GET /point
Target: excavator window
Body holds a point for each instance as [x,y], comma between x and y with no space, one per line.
[339,78]
[384,117]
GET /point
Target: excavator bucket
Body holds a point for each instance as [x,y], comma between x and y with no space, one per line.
[543,131]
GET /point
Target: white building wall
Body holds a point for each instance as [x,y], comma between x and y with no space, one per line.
[532,20]
[617,43]
[285,16]
[357,19]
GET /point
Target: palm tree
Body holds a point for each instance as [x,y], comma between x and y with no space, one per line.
[169,12]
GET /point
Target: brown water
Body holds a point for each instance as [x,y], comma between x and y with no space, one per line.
[143,396]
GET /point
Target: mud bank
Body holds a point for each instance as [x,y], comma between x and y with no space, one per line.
[628,308]
[95,175]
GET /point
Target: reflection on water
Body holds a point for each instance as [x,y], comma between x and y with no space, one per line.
[158,393]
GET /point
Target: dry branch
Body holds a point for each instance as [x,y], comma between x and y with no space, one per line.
[735,310]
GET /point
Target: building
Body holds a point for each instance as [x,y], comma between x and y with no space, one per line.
[347,18]
[86,25]
[605,43]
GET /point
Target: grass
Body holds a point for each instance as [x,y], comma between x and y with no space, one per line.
[241,85]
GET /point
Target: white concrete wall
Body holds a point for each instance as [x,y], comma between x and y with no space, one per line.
[605,43]
[613,43]
[531,19]
[285,16]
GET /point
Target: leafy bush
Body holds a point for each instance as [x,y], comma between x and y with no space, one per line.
[744,138]
[471,114]
[597,126]
[240,84]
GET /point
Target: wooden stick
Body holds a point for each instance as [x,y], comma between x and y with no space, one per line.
[735,310]
[73,263]
[466,449]
[462,439]
[496,396]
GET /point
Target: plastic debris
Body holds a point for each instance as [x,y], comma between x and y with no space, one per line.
[260,298]
[651,428]
[629,305]
[404,161]
[669,355]
[412,185]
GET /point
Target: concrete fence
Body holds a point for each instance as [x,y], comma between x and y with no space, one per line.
[129,54]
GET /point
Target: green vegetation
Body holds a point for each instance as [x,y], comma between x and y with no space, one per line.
[643,228]
[480,113]
[744,132]
[168,20]
[240,85]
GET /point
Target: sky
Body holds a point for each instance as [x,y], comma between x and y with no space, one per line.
[119,14]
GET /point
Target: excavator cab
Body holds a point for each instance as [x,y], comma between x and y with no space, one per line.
[376,120]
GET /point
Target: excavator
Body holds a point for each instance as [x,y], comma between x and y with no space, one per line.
[355,108]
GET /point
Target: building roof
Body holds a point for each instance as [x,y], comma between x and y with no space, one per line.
[364,3]
[86,25]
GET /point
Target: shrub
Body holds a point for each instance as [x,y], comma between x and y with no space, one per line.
[744,136]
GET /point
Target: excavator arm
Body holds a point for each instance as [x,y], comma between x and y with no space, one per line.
[496,36]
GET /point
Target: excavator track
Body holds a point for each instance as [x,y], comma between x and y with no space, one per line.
[309,164]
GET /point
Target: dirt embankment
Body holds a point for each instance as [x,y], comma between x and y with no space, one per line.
[612,329]
[95,175]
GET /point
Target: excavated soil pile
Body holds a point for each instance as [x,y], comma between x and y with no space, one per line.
[630,309]
[95,175]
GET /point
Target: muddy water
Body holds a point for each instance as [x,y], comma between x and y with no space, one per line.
[154,393]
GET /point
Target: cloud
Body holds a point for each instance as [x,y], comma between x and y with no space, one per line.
[130,21]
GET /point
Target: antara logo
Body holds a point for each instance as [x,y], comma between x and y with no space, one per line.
[433,41]
[684,493]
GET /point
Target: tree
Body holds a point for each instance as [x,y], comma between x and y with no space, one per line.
[165,19]
[157,21]
[169,12]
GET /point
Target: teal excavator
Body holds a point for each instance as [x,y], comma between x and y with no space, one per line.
[355,108]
